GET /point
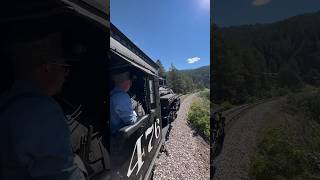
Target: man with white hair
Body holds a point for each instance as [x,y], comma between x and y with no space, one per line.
[35,135]
[121,110]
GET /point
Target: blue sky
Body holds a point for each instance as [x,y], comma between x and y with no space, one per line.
[238,12]
[170,30]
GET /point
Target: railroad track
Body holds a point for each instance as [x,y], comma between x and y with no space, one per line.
[230,118]
[235,113]
[183,97]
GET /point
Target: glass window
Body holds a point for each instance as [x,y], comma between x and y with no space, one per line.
[151,91]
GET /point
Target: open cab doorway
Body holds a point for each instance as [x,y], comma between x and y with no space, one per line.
[135,147]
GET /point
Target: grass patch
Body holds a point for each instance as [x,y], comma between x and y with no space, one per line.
[205,94]
[291,149]
[199,117]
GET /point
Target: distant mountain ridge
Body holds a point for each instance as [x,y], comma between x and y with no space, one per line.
[200,76]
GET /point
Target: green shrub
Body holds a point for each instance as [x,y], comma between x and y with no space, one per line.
[252,99]
[307,103]
[291,150]
[308,88]
[205,94]
[279,92]
[226,105]
[278,158]
[199,117]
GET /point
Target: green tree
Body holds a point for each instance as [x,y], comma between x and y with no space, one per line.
[174,79]
[188,84]
[162,71]
[289,78]
[250,61]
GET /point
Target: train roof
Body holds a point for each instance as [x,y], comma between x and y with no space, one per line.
[17,11]
[123,47]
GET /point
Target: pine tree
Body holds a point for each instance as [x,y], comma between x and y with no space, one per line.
[175,81]
[162,71]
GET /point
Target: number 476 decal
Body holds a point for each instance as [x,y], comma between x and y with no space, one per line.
[155,130]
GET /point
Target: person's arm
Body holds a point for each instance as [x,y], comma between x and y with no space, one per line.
[124,109]
[42,140]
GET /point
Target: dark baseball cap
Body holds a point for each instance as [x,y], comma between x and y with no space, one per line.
[46,49]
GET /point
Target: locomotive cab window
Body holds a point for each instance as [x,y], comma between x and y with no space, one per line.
[152,94]
[138,90]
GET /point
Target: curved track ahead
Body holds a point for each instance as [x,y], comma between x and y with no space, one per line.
[243,125]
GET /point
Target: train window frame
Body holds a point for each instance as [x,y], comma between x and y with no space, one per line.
[151,89]
[151,92]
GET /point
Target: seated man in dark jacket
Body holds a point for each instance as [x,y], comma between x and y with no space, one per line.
[34,135]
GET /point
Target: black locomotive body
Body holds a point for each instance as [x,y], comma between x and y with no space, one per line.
[170,103]
[136,147]
[85,95]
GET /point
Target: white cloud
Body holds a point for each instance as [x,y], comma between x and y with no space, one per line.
[260,2]
[193,60]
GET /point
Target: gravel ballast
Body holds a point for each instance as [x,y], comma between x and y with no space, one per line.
[188,153]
